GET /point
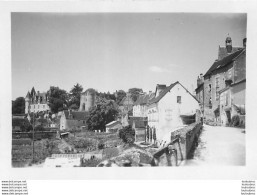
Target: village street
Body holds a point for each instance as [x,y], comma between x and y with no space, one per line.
[219,146]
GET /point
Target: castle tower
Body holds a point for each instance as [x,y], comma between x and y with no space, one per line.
[27,103]
[228,43]
[87,100]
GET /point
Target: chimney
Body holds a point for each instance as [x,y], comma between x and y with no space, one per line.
[198,81]
[201,77]
[159,88]
[244,42]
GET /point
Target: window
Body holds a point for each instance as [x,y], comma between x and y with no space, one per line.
[209,87]
[217,83]
[230,73]
[83,122]
[179,99]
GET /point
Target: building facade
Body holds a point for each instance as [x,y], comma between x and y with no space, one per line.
[140,106]
[219,81]
[167,109]
[200,92]
[36,102]
[73,120]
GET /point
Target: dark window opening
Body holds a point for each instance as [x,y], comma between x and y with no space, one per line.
[179,99]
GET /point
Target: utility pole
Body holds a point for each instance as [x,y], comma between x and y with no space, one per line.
[33,131]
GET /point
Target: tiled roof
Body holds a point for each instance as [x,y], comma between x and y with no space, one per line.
[162,93]
[166,90]
[76,115]
[143,99]
[223,51]
[223,62]
[113,123]
[127,100]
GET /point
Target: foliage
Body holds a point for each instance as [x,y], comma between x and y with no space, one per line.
[18,106]
[120,95]
[22,123]
[135,92]
[107,96]
[39,128]
[24,141]
[235,121]
[127,134]
[101,115]
[74,97]
[57,99]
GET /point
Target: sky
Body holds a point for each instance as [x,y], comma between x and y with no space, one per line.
[113,51]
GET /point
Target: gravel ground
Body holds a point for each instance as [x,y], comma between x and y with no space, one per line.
[219,146]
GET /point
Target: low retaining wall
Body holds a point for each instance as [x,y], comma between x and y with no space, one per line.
[37,135]
[188,137]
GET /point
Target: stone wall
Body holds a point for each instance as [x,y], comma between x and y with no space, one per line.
[188,137]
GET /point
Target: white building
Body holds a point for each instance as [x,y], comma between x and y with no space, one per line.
[166,110]
[140,106]
[36,102]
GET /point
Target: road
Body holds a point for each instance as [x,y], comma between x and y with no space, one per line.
[219,146]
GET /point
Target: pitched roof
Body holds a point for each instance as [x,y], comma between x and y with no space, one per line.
[113,123]
[28,95]
[162,93]
[127,100]
[223,62]
[223,51]
[166,90]
[76,115]
[33,91]
[143,99]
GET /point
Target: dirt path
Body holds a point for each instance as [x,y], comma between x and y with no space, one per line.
[219,146]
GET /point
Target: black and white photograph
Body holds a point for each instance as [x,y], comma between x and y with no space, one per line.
[128,89]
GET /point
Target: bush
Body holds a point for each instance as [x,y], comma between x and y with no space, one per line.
[235,121]
[127,134]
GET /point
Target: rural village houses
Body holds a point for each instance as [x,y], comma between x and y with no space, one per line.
[171,107]
[73,120]
[221,91]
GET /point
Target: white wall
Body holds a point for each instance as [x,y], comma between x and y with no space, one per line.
[37,107]
[168,111]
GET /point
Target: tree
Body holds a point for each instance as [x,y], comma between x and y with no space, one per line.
[120,95]
[135,92]
[127,134]
[18,106]
[75,94]
[101,115]
[57,99]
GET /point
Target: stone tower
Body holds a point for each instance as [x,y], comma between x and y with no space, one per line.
[27,103]
[87,100]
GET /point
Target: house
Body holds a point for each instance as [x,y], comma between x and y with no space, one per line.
[140,106]
[126,104]
[199,91]
[73,120]
[223,76]
[36,101]
[113,126]
[170,106]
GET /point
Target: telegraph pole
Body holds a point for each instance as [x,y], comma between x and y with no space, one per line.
[33,131]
